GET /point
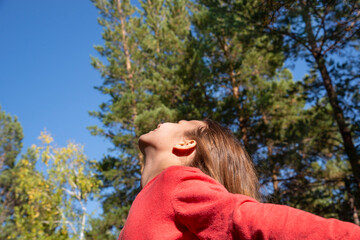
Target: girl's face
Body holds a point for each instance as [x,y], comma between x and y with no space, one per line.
[167,135]
[158,147]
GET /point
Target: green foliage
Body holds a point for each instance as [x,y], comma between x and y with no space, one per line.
[53,201]
[10,140]
[11,136]
[326,34]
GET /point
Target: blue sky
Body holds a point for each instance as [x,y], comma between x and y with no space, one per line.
[46,77]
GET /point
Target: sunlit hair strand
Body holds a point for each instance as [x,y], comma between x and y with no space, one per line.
[220,155]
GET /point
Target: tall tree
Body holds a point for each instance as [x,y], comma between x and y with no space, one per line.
[265,108]
[11,136]
[240,72]
[122,74]
[143,49]
[237,64]
[317,31]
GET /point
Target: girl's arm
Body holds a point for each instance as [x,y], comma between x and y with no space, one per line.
[206,209]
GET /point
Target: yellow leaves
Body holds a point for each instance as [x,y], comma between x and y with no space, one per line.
[31,197]
[25,162]
[69,150]
[37,214]
[45,156]
[47,207]
[45,137]
[64,182]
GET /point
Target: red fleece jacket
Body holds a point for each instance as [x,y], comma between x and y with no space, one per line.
[184,203]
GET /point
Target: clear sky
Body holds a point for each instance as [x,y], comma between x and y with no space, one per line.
[46,77]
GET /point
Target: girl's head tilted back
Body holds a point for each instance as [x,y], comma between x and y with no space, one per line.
[220,155]
[202,144]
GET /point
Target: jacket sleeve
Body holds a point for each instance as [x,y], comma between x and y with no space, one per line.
[206,209]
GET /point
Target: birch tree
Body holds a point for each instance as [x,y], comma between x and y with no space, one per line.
[55,199]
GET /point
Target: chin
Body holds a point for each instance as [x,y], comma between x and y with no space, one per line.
[143,137]
[143,141]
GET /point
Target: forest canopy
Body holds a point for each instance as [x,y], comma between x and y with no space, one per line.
[168,60]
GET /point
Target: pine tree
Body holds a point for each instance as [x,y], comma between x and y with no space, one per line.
[11,136]
[237,65]
[265,108]
[242,76]
[317,31]
[143,49]
[325,34]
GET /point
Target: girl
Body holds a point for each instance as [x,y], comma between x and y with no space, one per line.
[199,183]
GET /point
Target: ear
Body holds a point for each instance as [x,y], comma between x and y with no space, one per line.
[184,148]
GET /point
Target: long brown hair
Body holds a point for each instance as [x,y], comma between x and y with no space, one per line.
[220,155]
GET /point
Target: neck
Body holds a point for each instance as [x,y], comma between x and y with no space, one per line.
[156,160]
[155,163]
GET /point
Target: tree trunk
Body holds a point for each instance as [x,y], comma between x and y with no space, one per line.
[273,169]
[83,224]
[351,200]
[235,92]
[338,112]
[339,117]
[354,210]
[130,74]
